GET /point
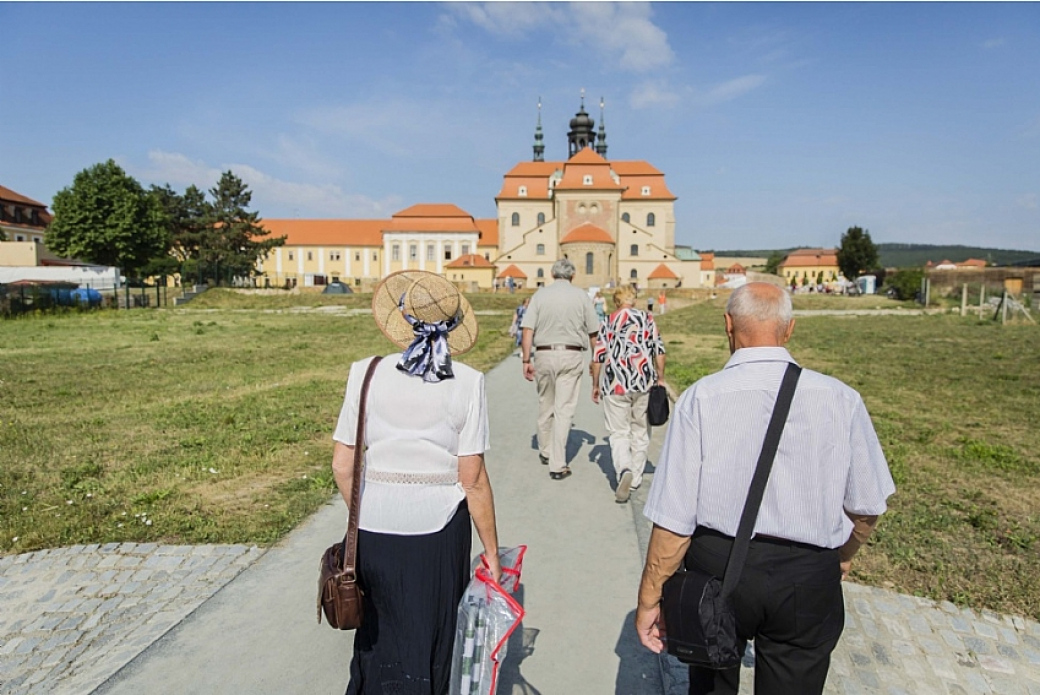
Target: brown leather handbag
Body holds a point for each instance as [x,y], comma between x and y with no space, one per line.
[339,595]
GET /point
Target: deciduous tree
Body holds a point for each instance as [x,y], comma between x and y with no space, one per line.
[106,217]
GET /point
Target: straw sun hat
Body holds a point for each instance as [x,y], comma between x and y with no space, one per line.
[429,298]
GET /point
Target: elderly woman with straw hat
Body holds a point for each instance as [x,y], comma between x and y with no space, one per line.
[426,431]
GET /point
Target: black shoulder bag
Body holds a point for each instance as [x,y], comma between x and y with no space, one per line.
[700,625]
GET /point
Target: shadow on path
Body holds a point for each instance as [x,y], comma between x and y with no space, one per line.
[575,440]
[638,671]
[519,647]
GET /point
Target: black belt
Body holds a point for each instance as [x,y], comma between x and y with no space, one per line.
[758,538]
[559,347]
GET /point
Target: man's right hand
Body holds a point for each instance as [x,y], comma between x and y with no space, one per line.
[648,627]
[528,371]
[595,394]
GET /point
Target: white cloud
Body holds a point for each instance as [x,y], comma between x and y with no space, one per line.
[1029,201]
[317,200]
[623,32]
[994,43]
[730,90]
[653,94]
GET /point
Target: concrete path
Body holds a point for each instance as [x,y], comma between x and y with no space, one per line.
[259,634]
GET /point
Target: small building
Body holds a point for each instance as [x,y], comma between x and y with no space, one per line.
[22,218]
[519,277]
[471,270]
[662,277]
[810,267]
[707,269]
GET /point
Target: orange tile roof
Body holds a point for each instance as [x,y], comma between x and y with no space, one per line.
[471,260]
[636,167]
[663,272]
[819,257]
[7,195]
[587,232]
[488,232]
[972,263]
[513,272]
[707,261]
[812,252]
[432,217]
[328,232]
[634,188]
[736,268]
[634,174]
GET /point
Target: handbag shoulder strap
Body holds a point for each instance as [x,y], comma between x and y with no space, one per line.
[349,555]
[738,553]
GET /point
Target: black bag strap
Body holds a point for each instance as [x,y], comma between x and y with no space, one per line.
[738,553]
[348,557]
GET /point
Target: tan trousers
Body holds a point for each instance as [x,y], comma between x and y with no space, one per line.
[557,374]
[629,434]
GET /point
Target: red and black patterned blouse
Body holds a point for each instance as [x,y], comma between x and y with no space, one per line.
[627,343]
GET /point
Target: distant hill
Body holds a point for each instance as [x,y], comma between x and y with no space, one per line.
[916,255]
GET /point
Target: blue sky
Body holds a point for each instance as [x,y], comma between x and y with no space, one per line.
[776,124]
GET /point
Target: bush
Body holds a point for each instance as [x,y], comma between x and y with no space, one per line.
[905,283]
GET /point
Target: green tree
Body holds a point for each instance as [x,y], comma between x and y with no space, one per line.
[106,217]
[234,239]
[857,253]
[188,221]
[773,263]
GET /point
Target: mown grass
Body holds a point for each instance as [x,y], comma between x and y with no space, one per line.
[956,404]
[208,423]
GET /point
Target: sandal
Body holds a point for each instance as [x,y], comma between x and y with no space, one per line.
[560,475]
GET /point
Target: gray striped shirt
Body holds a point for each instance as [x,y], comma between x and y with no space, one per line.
[829,459]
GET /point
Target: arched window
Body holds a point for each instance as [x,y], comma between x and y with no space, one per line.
[589,262]
[516,219]
[634,274]
[539,250]
[540,273]
[541,218]
[634,250]
[650,219]
[625,217]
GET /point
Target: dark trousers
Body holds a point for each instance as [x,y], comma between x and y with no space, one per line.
[789,601]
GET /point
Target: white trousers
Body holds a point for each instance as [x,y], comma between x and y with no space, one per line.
[557,374]
[629,434]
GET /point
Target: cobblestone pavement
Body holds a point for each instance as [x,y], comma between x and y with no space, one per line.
[903,645]
[72,617]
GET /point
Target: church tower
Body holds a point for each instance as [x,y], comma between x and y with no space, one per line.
[601,146]
[539,145]
[581,134]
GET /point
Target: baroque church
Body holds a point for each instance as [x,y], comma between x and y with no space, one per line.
[614,219]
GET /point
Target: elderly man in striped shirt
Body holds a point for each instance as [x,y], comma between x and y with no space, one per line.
[828,485]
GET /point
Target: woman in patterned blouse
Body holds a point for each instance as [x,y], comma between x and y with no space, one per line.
[628,360]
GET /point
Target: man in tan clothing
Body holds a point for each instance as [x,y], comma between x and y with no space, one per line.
[560,321]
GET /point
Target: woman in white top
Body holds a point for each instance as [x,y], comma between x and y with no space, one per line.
[424,479]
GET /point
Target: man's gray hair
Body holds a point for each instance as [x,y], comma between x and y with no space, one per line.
[563,269]
[748,304]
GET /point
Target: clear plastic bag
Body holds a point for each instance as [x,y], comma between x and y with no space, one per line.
[488,615]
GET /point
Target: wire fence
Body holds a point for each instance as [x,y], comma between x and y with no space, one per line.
[27,297]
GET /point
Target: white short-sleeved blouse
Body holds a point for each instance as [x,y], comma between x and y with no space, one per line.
[415,433]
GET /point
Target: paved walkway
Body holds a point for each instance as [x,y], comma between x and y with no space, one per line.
[154,619]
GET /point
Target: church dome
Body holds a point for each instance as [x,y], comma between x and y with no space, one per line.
[582,120]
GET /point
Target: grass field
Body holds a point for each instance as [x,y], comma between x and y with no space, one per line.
[190,425]
[956,403]
[212,423]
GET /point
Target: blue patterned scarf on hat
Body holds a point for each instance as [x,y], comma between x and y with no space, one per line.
[428,356]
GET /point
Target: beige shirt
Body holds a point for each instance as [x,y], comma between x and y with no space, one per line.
[561,314]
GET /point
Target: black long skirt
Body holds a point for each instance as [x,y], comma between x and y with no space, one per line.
[412,587]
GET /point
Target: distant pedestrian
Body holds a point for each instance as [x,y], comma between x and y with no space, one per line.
[518,317]
[662,303]
[601,307]
[426,431]
[628,360]
[828,484]
[650,304]
[559,323]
